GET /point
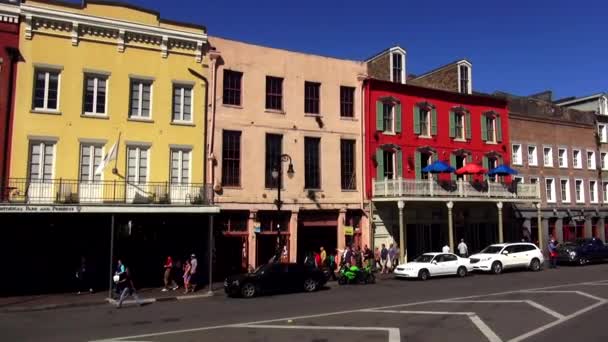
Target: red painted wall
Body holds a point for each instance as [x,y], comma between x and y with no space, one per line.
[443,101]
[9,38]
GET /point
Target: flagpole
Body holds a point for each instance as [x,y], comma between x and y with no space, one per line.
[115,169]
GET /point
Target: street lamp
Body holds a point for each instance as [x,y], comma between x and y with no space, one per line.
[277,173]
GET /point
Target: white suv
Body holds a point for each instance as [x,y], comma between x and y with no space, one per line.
[495,258]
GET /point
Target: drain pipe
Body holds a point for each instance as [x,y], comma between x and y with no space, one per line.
[213,56]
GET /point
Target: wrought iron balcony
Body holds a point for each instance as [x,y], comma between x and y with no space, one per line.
[454,189]
[75,192]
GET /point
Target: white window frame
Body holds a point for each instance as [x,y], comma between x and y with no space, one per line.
[568,196]
[552,192]
[426,134]
[582,191]
[519,178]
[592,165]
[92,166]
[593,198]
[400,52]
[534,155]
[461,134]
[562,160]
[96,78]
[469,67]
[534,180]
[517,157]
[43,144]
[181,152]
[394,158]
[182,87]
[392,128]
[491,123]
[604,160]
[141,82]
[605,192]
[577,163]
[602,131]
[138,148]
[549,162]
[47,72]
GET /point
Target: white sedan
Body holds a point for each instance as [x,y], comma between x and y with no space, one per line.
[434,264]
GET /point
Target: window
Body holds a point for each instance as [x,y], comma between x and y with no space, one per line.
[95,90]
[591,160]
[388,115]
[518,179]
[274,93]
[577,159]
[347,164]
[389,165]
[604,160]
[46,90]
[312,169]
[232,87]
[491,128]
[517,155]
[532,156]
[492,164]
[425,122]
[347,102]
[425,160]
[550,189]
[565,190]
[605,192]
[274,149]
[397,65]
[41,161]
[311,97]
[580,192]
[141,99]
[602,133]
[180,166]
[137,164]
[533,180]
[459,126]
[464,79]
[231,158]
[548,156]
[90,159]
[593,191]
[182,103]
[562,157]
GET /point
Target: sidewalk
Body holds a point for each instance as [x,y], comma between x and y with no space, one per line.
[70,300]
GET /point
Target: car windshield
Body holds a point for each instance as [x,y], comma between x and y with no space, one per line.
[424,258]
[491,250]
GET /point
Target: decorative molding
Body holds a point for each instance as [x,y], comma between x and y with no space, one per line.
[121,41]
[164,47]
[75,33]
[28,27]
[9,13]
[199,52]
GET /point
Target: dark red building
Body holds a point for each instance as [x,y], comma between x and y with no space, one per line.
[9,57]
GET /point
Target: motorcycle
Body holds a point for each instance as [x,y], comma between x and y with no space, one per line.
[356,275]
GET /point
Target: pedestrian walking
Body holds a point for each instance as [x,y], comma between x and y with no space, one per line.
[358,257]
[368,256]
[552,248]
[126,288]
[187,275]
[384,258]
[446,249]
[391,256]
[463,249]
[285,255]
[348,256]
[395,260]
[83,277]
[168,276]
[194,272]
[120,270]
[377,263]
[323,257]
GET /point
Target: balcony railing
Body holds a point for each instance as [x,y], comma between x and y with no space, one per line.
[62,191]
[430,188]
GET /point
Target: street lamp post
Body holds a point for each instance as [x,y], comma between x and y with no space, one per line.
[277,173]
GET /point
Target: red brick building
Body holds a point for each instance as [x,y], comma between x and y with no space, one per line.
[9,57]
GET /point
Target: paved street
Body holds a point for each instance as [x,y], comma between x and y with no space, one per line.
[557,305]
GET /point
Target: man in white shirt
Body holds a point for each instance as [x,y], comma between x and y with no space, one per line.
[445,249]
[463,250]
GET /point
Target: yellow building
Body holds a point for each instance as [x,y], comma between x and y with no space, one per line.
[95,71]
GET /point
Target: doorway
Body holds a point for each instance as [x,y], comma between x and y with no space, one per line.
[310,239]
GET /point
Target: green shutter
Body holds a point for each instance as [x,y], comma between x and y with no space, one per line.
[453,164]
[467,119]
[469,158]
[398,118]
[485,162]
[416,120]
[379,116]
[498,129]
[452,124]
[484,128]
[399,157]
[380,162]
[417,164]
[433,121]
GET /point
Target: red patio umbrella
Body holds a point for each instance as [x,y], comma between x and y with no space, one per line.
[471,169]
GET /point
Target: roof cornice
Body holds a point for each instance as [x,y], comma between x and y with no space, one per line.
[9,13]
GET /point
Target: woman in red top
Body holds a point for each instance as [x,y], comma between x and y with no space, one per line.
[168,275]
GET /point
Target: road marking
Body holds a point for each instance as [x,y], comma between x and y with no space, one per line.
[172,332]
[529,302]
[394,334]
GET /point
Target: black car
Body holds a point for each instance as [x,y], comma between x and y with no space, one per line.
[275,277]
[582,251]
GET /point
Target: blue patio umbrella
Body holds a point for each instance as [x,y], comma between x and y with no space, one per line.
[438,166]
[502,170]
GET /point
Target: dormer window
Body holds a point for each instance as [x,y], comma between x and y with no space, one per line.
[464,78]
[397,65]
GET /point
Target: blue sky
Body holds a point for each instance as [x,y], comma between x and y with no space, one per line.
[520,46]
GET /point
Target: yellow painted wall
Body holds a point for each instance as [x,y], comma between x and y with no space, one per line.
[70,126]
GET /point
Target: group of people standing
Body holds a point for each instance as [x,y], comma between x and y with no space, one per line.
[186,273]
[387,259]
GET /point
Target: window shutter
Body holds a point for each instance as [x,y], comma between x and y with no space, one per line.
[500,161]
[452,124]
[416,120]
[380,162]
[399,157]
[417,164]
[484,128]
[498,129]
[469,158]
[467,119]
[379,118]
[433,121]
[453,164]
[398,118]
[485,162]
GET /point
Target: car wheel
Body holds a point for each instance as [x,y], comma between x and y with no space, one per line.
[423,275]
[462,271]
[248,290]
[497,267]
[310,285]
[535,265]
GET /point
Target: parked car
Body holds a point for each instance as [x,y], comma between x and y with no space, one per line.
[582,251]
[434,264]
[495,258]
[275,277]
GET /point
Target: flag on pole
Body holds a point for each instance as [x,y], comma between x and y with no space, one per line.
[111,155]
